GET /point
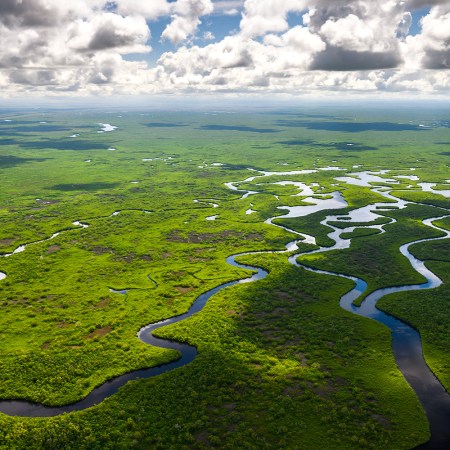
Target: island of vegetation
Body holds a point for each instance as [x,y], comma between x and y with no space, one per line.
[216,279]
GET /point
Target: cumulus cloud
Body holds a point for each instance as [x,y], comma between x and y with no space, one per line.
[228,7]
[148,9]
[34,32]
[360,34]
[231,52]
[109,31]
[208,36]
[354,34]
[59,47]
[417,4]
[27,13]
[186,19]
[361,37]
[430,48]
[291,46]
[338,59]
[435,38]
[295,48]
[38,13]
[263,16]
[34,77]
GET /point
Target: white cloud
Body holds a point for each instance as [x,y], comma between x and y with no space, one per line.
[354,34]
[186,19]
[263,16]
[109,31]
[436,28]
[208,36]
[416,4]
[149,9]
[80,47]
[50,45]
[431,48]
[231,12]
[44,13]
[360,34]
[228,7]
[295,48]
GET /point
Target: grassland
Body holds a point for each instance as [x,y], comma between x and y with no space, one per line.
[280,365]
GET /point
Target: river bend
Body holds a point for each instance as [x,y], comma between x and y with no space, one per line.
[406,341]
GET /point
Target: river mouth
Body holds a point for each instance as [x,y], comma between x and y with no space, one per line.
[406,341]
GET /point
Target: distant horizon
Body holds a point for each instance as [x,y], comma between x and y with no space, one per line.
[239,104]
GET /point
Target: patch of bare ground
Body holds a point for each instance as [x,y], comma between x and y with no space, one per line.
[176,275]
[99,332]
[285,296]
[197,259]
[269,334]
[382,421]
[325,391]
[127,259]
[301,358]
[184,290]
[294,390]
[102,250]
[203,238]
[7,241]
[277,312]
[20,300]
[202,438]
[53,249]
[103,303]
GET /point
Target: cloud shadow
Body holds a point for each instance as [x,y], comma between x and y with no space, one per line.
[237,128]
[344,146]
[8,161]
[163,125]
[64,144]
[350,127]
[83,186]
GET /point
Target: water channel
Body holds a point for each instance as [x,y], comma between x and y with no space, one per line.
[406,341]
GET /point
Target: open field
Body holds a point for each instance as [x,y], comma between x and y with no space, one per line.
[280,364]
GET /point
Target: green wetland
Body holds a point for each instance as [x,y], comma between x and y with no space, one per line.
[113,220]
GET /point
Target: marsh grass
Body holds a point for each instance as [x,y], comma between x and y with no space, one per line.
[280,365]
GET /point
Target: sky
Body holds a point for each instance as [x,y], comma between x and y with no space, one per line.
[224,48]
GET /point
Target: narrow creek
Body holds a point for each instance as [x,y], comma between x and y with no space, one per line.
[406,341]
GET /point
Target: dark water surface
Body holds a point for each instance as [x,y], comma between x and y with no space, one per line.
[406,341]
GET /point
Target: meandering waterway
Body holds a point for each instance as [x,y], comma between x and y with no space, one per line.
[406,341]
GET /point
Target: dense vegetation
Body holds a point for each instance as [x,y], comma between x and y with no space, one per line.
[280,365]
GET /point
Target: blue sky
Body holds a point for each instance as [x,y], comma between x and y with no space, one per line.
[221,25]
[225,47]
[416,17]
[218,24]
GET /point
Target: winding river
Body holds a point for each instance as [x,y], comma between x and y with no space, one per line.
[406,341]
